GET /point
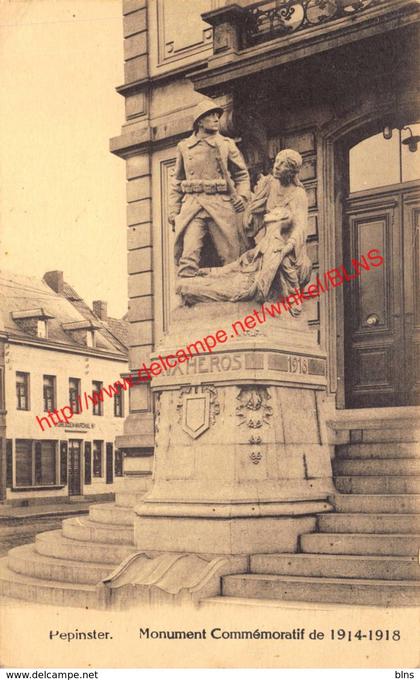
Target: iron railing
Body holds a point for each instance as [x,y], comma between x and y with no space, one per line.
[272,18]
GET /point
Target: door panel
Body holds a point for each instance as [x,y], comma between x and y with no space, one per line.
[372,327]
[75,472]
[382,306]
[372,288]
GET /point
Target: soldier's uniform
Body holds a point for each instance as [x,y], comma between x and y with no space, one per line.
[201,202]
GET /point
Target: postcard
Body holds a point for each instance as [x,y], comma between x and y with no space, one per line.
[209,335]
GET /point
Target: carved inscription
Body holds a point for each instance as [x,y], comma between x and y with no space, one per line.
[238,361]
[297,365]
[217,363]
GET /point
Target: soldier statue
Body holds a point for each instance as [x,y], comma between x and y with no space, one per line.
[278,265]
[209,192]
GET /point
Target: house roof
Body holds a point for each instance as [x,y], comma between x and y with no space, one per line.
[115,330]
[19,293]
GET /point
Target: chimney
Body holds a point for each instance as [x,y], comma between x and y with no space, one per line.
[100,308]
[55,280]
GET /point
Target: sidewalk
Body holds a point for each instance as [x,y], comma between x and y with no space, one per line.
[12,514]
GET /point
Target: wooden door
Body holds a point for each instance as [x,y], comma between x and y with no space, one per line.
[75,470]
[411,218]
[382,316]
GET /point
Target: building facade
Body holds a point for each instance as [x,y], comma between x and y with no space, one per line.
[3,338]
[329,80]
[59,428]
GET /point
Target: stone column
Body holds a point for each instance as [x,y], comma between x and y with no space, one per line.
[138,439]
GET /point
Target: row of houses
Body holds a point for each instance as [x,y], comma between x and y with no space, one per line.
[54,349]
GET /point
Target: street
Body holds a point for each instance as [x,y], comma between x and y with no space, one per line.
[15,532]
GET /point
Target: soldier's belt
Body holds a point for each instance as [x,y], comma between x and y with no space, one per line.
[198,186]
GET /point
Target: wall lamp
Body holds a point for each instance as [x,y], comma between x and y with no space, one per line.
[411,141]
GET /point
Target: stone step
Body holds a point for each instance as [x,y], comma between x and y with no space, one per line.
[37,590]
[83,529]
[337,566]
[378,450]
[109,513]
[379,467]
[378,427]
[361,544]
[344,591]
[373,484]
[219,602]
[382,433]
[357,523]
[129,500]
[25,560]
[54,544]
[368,503]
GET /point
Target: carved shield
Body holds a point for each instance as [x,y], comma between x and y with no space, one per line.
[196,414]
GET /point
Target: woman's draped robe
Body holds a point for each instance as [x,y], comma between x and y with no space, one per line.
[263,272]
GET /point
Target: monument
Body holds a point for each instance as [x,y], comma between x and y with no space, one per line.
[240,465]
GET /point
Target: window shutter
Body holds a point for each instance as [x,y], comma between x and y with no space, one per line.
[38,463]
[9,463]
[109,463]
[63,462]
[88,463]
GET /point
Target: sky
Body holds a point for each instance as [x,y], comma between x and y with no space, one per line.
[62,194]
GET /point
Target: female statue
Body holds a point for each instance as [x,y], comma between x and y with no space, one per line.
[277,217]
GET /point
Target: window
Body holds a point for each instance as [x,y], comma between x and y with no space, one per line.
[49,392]
[118,466]
[118,405]
[45,463]
[97,396]
[36,462]
[22,391]
[23,455]
[90,338]
[74,394]
[42,328]
[379,162]
[97,458]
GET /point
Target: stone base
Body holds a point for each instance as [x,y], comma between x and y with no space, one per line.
[237,536]
[241,466]
[167,578]
[192,323]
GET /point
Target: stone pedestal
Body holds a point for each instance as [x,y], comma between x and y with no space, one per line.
[240,467]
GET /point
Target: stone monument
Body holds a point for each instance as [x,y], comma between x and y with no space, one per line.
[240,464]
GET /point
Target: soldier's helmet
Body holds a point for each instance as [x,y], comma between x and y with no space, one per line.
[203,108]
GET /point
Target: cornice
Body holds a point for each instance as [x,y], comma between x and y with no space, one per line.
[128,89]
[68,349]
